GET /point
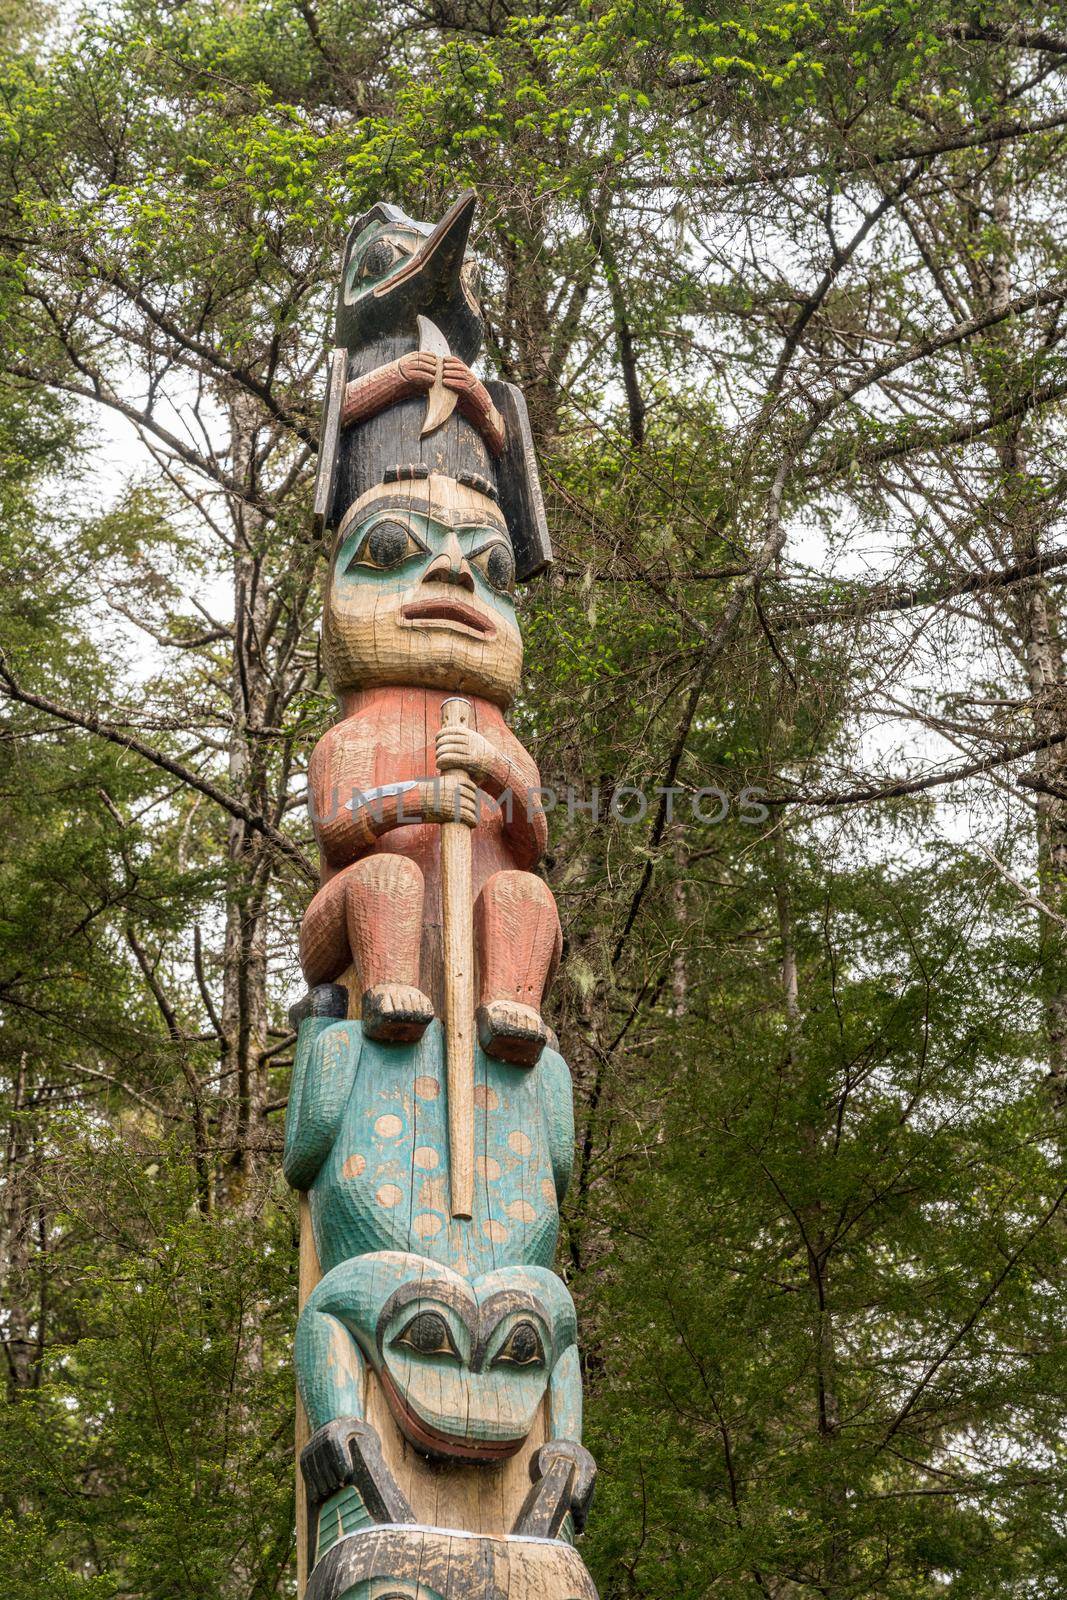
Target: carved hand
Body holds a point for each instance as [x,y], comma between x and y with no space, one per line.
[326,1461]
[350,1451]
[583,1481]
[563,1474]
[452,798]
[463,750]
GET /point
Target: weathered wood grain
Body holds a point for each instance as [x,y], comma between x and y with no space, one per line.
[444,1563]
[459,991]
[436,1349]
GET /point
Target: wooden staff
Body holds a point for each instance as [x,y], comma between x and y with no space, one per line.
[458,943]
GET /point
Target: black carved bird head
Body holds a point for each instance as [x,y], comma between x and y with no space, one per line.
[396,269]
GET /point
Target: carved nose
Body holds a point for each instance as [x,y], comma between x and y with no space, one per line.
[450,567]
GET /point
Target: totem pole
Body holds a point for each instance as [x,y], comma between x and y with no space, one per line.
[430,1122]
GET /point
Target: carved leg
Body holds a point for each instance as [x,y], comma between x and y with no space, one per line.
[383,907]
[329,1367]
[324,952]
[371,914]
[519,944]
[345,1474]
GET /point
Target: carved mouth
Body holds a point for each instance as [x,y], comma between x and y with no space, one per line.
[424,1436]
[449,614]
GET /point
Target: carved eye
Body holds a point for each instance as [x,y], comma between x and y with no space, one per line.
[427,1334]
[387,544]
[497,565]
[379,258]
[521,1348]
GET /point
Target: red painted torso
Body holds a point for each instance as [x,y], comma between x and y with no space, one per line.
[387,736]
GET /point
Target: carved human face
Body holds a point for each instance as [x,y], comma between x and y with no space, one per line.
[420,593]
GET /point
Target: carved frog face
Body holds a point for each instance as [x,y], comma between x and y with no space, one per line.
[464,1366]
[420,593]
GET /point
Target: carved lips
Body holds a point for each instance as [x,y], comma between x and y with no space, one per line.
[449,614]
[434,1441]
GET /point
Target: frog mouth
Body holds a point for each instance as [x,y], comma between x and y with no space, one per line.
[449,613]
[435,1441]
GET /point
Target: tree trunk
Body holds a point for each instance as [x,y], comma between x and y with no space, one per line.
[244,975]
[1040,651]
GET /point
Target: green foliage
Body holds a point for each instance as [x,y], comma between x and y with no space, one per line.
[816,1230]
[146,1425]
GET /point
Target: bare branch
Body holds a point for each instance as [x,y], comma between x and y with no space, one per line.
[127,741]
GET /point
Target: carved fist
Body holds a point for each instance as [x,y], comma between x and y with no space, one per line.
[463,750]
[350,1451]
[582,1483]
[563,1474]
[326,1461]
[453,798]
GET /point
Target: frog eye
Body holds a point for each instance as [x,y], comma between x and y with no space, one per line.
[497,565]
[386,544]
[521,1348]
[428,1335]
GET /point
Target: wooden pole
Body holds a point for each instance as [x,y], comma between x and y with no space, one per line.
[458,940]
[308,1274]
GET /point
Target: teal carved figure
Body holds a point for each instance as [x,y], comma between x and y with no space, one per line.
[465,1367]
[367,1138]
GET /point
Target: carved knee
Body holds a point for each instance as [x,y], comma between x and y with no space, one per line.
[383,911]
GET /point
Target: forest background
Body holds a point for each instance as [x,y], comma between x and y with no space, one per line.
[785,284]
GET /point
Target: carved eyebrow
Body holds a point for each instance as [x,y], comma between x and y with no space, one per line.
[348,522]
[431,513]
[436,1293]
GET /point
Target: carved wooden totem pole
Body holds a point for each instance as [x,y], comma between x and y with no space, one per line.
[430,1123]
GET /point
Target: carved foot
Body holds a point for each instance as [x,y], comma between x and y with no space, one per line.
[395,1012]
[324,1000]
[511,1032]
[350,1452]
[563,1474]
